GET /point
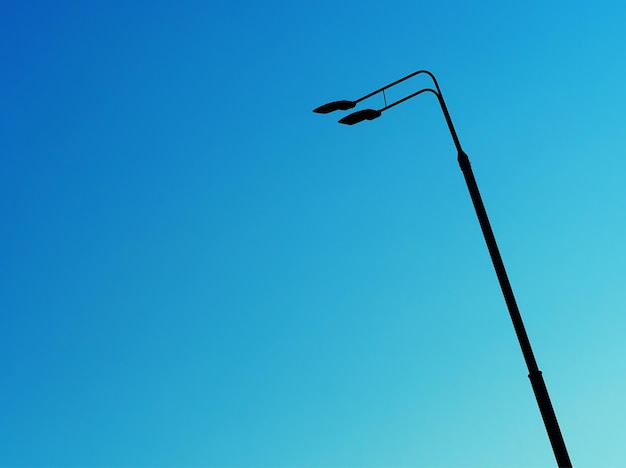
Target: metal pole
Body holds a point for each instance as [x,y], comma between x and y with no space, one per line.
[535,376]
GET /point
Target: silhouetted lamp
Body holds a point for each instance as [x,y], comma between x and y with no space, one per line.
[335,106]
[360,116]
[534,374]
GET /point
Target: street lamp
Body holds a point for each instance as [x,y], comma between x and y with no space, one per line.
[534,374]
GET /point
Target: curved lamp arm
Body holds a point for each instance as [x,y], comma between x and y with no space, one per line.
[370,114]
[391,85]
[347,104]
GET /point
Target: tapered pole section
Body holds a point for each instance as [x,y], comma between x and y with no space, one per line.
[534,374]
[536,379]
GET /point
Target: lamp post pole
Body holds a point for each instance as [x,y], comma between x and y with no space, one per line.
[534,374]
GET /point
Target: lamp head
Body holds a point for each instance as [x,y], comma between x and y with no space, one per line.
[333,106]
[359,116]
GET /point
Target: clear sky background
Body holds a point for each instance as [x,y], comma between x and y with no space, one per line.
[196,270]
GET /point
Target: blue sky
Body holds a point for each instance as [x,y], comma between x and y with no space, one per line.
[199,271]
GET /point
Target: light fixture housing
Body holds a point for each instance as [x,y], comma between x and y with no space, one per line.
[334,106]
[360,116]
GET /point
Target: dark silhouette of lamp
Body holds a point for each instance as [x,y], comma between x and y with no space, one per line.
[335,106]
[534,374]
[360,116]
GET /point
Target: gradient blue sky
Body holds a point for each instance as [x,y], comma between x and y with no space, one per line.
[196,270]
